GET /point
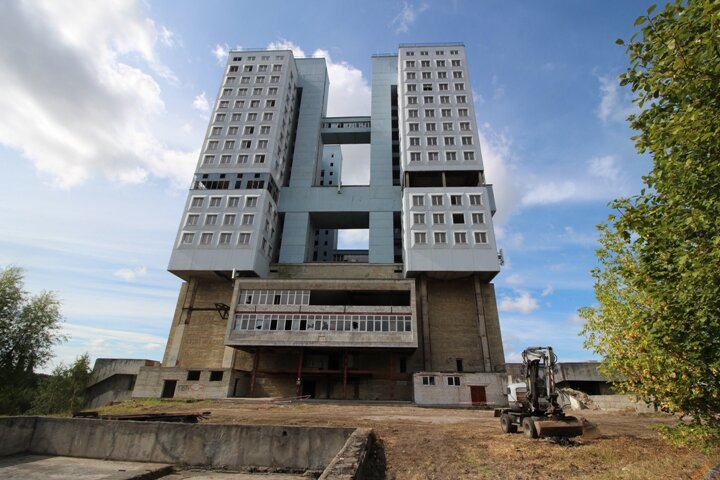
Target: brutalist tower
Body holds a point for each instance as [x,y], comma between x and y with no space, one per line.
[271,307]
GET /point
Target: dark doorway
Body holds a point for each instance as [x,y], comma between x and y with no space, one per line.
[308,388]
[168,390]
[477,394]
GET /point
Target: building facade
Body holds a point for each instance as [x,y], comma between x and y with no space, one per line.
[270,306]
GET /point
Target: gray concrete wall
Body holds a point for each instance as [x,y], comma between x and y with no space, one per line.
[107,367]
[443,394]
[217,446]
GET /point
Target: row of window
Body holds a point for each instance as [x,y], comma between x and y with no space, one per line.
[270,103]
[274,297]
[477,218]
[444,113]
[228,219]
[432,126]
[438,199]
[439,63]
[250,117]
[457,74]
[435,156]
[207,238]
[429,87]
[227,159]
[444,99]
[425,53]
[259,69]
[441,238]
[328,322]
[429,380]
[217,202]
[256,91]
[252,58]
[432,141]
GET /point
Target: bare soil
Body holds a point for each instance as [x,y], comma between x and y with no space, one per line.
[434,443]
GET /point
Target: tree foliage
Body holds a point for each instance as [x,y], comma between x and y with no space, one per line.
[658,286]
[29,327]
[63,391]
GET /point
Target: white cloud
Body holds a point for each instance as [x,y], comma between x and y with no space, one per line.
[353,239]
[201,103]
[130,274]
[576,319]
[167,37]
[93,115]
[605,167]
[501,172]
[549,192]
[284,44]
[220,52]
[613,106]
[523,303]
[547,291]
[515,279]
[408,16]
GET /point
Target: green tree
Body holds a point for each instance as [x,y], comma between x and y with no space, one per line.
[64,390]
[29,327]
[657,325]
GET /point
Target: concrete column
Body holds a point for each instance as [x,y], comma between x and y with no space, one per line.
[482,328]
[427,350]
[182,317]
[381,245]
[295,237]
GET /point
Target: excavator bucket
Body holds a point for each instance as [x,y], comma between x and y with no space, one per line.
[564,427]
[590,430]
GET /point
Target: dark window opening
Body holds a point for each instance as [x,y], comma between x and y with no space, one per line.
[193,375]
[403,365]
[458,364]
[216,376]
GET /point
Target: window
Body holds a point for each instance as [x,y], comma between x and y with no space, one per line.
[460,237]
[430,127]
[423,53]
[414,141]
[427,87]
[475,199]
[252,117]
[211,219]
[458,218]
[208,159]
[245,144]
[192,220]
[229,145]
[411,87]
[267,116]
[469,155]
[260,79]
[197,202]
[437,200]
[265,130]
[220,117]
[233,68]
[248,68]
[410,54]
[233,202]
[457,74]
[272,91]
[440,63]
[478,218]
[428,99]
[461,99]
[442,74]
[415,156]
[206,239]
[236,117]
[418,219]
[275,79]
[249,130]
[446,112]
[454,381]
[242,92]
[225,238]
[410,75]
[455,63]
[262,68]
[428,380]
[412,101]
[420,238]
[465,126]
[410,64]
[459,86]
[463,112]
[255,104]
[431,141]
[481,237]
[418,200]
[187,238]
[277,68]
[455,200]
[243,239]
[425,63]
[229,219]
[444,99]
[232,131]
[450,156]
[426,75]
[449,141]
[262,145]
[213,145]
[216,131]
[414,127]
[413,113]
[215,201]
[447,126]
[227,92]
[440,237]
[433,156]
[438,218]
[193,375]
[216,376]
[224,104]
[429,112]
[248,219]
[443,86]
[243,159]
[251,202]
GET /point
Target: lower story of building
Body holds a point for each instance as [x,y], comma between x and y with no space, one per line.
[331,331]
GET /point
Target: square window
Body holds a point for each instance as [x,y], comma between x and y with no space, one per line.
[425,76]
[446,112]
[206,239]
[243,239]
[438,218]
[233,131]
[430,127]
[220,117]
[428,99]
[236,117]
[420,238]
[225,238]
[192,220]
[415,156]
[211,219]
[229,219]
[427,87]
[460,238]
[414,141]
[449,141]
[478,218]
[216,131]
[411,87]
[425,63]
[458,218]
[412,113]
[455,200]
[469,155]
[410,75]
[187,238]
[440,237]
[233,202]
[437,200]
[215,201]
[242,159]
[414,127]
[213,145]
[447,127]
[208,159]
[265,130]
[433,156]
[260,158]
[429,112]
[193,375]
[412,101]
[459,86]
[481,237]
[248,219]
[431,141]
[418,219]
[418,200]
[216,376]
[450,156]
[475,199]
[225,159]
[197,202]
[229,144]
[251,202]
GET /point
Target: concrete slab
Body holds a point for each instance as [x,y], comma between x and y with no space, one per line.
[42,467]
[205,475]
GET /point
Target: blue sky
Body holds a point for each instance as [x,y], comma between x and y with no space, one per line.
[105,105]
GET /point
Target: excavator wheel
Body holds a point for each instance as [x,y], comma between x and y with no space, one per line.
[506,424]
[529,429]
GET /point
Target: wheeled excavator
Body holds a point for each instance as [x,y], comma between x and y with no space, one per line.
[533,405]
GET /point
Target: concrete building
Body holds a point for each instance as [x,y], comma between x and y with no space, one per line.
[268,308]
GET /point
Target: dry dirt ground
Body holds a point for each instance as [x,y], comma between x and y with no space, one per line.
[432,443]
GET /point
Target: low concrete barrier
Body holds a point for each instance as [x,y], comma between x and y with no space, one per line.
[214,446]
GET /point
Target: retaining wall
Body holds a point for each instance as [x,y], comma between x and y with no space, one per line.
[214,446]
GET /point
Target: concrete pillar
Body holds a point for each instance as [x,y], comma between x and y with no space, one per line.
[382,249]
[295,237]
